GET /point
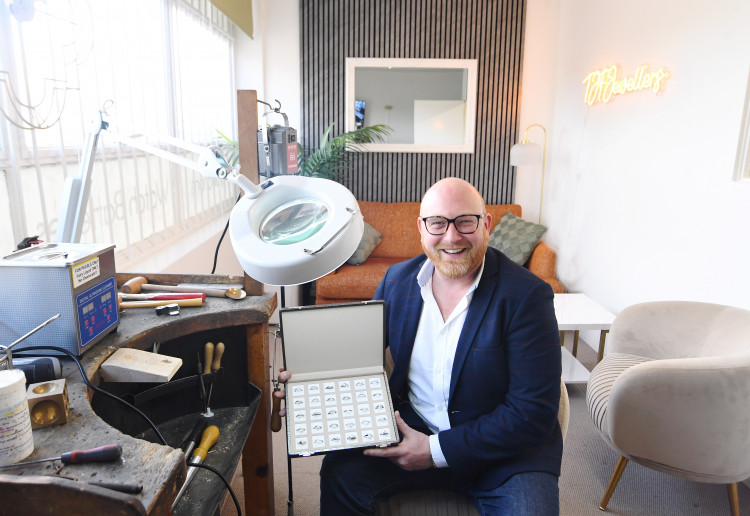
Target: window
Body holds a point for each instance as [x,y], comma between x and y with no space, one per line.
[163,66]
[742,161]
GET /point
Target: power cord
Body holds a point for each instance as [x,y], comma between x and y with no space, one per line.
[133,407]
[223,233]
[97,389]
[226,483]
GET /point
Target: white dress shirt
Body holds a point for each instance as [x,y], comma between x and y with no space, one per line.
[432,358]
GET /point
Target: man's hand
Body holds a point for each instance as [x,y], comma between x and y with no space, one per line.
[284,377]
[411,454]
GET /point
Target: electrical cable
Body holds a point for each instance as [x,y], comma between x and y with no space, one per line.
[144,416]
[223,233]
[226,483]
[97,389]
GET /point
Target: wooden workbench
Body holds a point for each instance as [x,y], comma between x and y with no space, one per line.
[160,469]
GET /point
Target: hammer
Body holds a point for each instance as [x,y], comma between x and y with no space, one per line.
[139,283]
[122,305]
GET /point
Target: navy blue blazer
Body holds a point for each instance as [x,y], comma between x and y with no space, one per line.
[505,383]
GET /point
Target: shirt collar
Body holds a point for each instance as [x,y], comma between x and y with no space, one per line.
[428,268]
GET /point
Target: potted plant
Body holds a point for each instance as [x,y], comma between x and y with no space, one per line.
[332,159]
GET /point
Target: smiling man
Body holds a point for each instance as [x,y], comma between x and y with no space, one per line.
[476,378]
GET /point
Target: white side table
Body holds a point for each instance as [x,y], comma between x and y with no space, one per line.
[572,370]
[579,312]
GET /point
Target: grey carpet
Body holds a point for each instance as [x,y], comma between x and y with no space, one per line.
[586,468]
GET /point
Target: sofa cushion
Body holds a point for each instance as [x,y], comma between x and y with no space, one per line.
[352,282]
[516,238]
[397,222]
[371,237]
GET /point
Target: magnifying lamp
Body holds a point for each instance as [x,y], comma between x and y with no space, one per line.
[285,231]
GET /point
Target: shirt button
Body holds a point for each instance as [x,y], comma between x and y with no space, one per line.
[441,408]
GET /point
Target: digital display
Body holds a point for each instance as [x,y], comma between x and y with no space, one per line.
[97,310]
[359,114]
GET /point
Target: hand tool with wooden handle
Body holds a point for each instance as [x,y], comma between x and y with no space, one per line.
[122,305]
[208,357]
[114,486]
[218,353]
[213,356]
[189,444]
[275,416]
[211,292]
[208,439]
[133,285]
[140,284]
[166,295]
[108,453]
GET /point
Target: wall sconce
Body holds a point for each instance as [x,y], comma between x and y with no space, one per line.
[527,153]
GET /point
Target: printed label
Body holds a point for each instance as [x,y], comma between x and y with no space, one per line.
[85,271]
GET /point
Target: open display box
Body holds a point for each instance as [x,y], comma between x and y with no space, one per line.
[338,397]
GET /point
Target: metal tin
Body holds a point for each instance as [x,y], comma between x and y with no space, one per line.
[75,280]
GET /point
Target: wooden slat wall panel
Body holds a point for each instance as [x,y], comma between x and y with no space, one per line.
[490,31]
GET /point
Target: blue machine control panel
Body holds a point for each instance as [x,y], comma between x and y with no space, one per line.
[97,310]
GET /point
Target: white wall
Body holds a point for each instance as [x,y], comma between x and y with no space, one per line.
[281,57]
[269,64]
[639,197]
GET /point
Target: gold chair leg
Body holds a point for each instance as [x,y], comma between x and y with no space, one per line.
[734,499]
[621,463]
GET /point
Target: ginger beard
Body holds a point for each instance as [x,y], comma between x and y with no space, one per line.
[456,265]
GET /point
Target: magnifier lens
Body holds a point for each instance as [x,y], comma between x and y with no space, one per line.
[294,221]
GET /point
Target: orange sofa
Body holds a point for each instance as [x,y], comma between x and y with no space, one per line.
[398,224]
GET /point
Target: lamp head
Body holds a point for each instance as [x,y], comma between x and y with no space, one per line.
[525,153]
[297,230]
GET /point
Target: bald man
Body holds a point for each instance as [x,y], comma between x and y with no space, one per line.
[476,379]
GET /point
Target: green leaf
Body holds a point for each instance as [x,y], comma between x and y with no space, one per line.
[333,158]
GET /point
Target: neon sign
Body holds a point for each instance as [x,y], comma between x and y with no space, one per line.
[602,85]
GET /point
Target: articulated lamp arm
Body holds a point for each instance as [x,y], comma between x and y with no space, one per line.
[209,162]
[291,230]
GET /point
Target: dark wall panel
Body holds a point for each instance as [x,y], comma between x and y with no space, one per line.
[490,31]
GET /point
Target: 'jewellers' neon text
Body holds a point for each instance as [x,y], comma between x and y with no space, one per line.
[602,85]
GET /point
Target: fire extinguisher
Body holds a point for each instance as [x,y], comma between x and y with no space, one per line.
[277,145]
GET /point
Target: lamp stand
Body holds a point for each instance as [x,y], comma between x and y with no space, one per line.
[544,162]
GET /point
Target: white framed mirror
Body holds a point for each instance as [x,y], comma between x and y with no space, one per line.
[430,104]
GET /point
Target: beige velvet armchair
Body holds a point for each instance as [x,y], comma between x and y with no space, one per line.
[673,392]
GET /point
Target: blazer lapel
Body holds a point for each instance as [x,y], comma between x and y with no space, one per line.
[477,309]
[412,310]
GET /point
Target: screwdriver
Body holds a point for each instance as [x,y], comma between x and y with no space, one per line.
[209,438]
[213,366]
[218,353]
[192,439]
[108,453]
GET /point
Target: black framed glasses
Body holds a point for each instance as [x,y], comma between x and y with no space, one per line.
[464,224]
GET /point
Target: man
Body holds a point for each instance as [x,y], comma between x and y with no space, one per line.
[476,378]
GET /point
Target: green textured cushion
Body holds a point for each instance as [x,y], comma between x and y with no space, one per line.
[371,237]
[516,238]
